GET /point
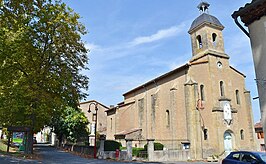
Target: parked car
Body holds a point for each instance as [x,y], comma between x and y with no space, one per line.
[245,157]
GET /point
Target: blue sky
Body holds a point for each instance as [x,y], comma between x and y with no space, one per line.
[134,41]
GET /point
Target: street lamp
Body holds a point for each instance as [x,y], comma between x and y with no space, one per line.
[95,127]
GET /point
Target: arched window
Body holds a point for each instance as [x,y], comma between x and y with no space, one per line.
[214,39]
[199,41]
[222,88]
[202,96]
[167,118]
[205,134]
[237,97]
[242,134]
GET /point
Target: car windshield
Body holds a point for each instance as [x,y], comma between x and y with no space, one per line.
[262,156]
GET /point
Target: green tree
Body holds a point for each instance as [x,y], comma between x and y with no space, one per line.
[41,56]
[71,124]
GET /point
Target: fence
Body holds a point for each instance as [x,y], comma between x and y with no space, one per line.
[158,155]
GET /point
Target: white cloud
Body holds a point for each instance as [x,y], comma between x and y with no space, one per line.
[104,57]
[92,47]
[128,48]
[161,34]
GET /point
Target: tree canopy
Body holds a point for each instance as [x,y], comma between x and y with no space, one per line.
[70,125]
[41,57]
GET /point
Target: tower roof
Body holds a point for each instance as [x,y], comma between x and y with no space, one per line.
[205,17]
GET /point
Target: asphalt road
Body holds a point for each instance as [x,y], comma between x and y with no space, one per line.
[50,155]
[7,160]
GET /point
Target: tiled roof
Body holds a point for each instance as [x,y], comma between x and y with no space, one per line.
[251,11]
[205,18]
[185,66]
[94,101]
[258,125]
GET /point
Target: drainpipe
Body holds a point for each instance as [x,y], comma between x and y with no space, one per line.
[235,16]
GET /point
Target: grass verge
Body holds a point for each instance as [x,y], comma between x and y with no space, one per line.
[13,151]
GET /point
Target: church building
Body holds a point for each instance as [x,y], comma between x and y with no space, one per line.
[202,106]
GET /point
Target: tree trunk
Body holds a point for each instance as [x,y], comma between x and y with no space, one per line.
[29,143]
[60,139]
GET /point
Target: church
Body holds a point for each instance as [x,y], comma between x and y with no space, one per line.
[202,106]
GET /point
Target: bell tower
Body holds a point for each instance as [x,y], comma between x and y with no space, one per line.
[206,34]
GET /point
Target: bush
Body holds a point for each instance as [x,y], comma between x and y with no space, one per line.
[123,148]
[136,151]
[110,145]
[157,146]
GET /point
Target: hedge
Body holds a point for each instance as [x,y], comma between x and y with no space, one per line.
[135,151]
[157,146]
[110,145]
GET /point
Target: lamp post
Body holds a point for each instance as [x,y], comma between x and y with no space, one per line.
[95,127]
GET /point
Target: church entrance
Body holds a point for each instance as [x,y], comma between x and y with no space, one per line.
[228,145]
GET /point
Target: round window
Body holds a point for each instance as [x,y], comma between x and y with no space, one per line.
[219,64]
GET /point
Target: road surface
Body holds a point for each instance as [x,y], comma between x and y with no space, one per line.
[50,155]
